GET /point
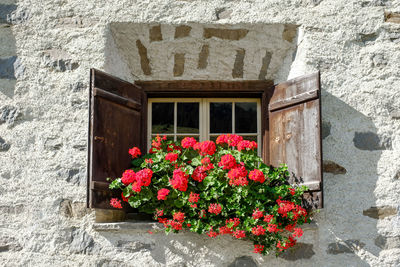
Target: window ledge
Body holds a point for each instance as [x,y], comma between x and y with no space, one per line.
[139,226]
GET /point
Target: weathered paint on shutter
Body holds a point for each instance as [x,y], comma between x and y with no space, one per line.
[295,133]
[116,123]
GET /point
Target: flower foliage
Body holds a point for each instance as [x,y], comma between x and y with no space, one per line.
[220,188]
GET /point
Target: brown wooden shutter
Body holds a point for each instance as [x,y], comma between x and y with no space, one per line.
[295,133]
[116,123]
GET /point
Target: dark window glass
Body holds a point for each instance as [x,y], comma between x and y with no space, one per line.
[246,117]
[221,117]
[162,118]
[188,118]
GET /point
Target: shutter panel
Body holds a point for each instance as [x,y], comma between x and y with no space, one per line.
[295,135]
[116,123]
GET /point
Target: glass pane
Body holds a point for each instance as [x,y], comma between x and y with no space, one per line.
[246,117]
[220,117]
[162,118]
[169,137]
[188,118]
[250,138]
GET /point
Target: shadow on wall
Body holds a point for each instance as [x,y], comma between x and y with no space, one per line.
[345,230]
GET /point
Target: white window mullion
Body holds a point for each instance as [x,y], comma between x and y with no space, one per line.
[175,119]
[233,117]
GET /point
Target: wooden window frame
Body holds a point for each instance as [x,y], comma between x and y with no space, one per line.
[215,89]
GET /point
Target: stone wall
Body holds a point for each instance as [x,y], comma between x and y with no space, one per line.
[47,48]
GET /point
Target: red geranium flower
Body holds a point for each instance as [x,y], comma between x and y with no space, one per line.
[135,152]
[205,148]
[188,142]
[258,230]
[179,216]
[162,194]
[215,208]
[171,157]
[239,234]
[116,203]
[258,248]
[257,214]
[128,177]
[227,162]
[179,180]
[257,175]
[193,197]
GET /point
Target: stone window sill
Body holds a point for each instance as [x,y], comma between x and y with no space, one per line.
[136,226]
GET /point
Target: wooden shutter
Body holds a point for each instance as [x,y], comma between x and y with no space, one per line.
[295,133]
[116,123]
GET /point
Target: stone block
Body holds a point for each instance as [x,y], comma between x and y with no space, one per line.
[134,246]
[18,16]
[155,34]
[395,115]
[182,31]
[7,42]
[387,242]
[346,246]
[9,114]
[203,57]
[9,243]
[371,141]
[58,60]
[237,71]
[179,64]
[53,143]
[380,212]
[333,167]
[223,13]
[78,87]
[74,210]
[265,64]
[144,59]
[103,216]
[289,32]
[82,242]
[244,261]
[4,146]
[298,252]
[393,17]
[226,34]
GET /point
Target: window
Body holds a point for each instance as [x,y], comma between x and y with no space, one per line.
[284,118]
[204,118]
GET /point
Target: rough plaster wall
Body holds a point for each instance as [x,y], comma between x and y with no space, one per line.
[46,50]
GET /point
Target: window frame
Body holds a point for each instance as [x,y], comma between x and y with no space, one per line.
[204,116]
[261,89]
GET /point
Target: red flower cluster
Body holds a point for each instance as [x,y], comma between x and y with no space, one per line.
[156,143]
[237,176]
[162,194]
[188,142]
[179,180]
[257,175]
[268,218]
[273,228]
[289,243]
[212,233]
[193,197]
[232,223]
[258,248]
[246,144]
[288,206]
[292,191]
[135,152]
[257,214]
[239,234]
[298,232]
[230,139]
[116,203]
[124,198]
[227,162]
[139,179]
[159,213]
[215,208]
[201,171]
[225,230]
[205,148]
[179,216]
[171,157]
[258,230]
